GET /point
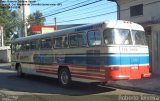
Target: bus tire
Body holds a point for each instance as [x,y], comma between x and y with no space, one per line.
[19,71]
[64,77]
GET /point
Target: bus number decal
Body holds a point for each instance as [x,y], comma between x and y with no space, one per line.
[124,49]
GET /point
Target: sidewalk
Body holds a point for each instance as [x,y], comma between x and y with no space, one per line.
[147,85]
[5,65]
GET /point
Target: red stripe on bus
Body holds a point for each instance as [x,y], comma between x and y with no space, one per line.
[88,77]
[49,69]
[88,74]
[47,72]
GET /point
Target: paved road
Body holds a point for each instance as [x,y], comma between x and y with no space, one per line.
[35,88]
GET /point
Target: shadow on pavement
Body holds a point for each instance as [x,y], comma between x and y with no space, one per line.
[37,84]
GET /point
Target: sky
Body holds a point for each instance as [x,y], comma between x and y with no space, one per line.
[76,11]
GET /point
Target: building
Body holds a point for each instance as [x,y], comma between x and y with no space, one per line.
[140,11]
[5,51]
[43,29]
[144,12]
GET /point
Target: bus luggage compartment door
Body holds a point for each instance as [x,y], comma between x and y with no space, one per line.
[93,60]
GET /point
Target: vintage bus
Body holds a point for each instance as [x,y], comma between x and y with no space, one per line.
[111,50]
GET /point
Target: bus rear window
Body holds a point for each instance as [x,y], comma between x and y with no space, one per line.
[123,37]
[117,37]
[139,37]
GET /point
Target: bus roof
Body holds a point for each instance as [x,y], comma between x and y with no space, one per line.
[107,24]
[121,24]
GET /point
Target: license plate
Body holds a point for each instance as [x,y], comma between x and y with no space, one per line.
[134,67]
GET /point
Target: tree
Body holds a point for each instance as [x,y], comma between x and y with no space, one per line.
[34,20]
[9,21]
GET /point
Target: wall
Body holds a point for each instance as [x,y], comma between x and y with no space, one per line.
[5,55]
[156,49]
[150,8]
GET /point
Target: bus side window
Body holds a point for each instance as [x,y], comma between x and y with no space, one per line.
[13,48]
[18,47]
[49,43]
[23,48]
[78,40]
[33,44]
[108,36]
[73,40]
[46,43]
[58,42]
[61,42]
[94,38]
[64,41]
[27,44]
[82,40]
[97,37]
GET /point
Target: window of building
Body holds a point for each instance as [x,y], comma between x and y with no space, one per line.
[94,38]
[136,10]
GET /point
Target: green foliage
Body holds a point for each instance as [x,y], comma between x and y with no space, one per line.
[9,21]
[34,20]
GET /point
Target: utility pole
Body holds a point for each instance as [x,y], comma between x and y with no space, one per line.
[55,22]
[1,37]
[24,12]
[118,8]
[24,23]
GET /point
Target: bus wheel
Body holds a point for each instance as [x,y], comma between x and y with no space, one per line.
[19,71]
[64,77]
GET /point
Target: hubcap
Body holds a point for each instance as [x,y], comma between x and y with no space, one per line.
[64,78]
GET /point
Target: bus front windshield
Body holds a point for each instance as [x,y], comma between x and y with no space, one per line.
[124,37]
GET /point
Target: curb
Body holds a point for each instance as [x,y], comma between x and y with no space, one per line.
[134,89]
[5,66]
